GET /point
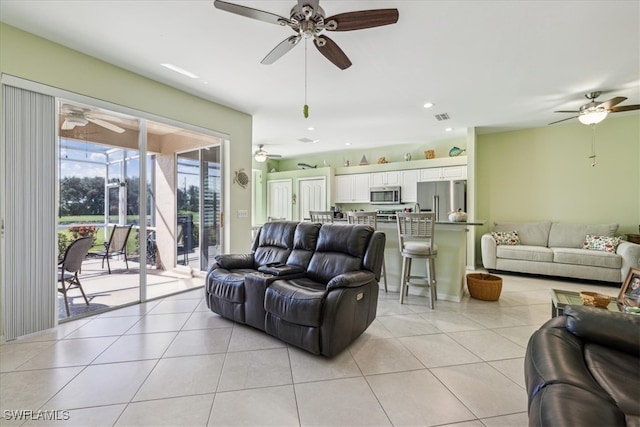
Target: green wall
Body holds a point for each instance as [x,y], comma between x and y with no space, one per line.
[32,58]
[545,174]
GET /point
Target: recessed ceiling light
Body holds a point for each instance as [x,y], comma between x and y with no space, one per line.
[448,129]
[428,105]
[347,143]
[311,128]
[180,70]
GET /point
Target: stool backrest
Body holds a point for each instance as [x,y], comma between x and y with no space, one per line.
[416,226]
[323,217]
[364,218]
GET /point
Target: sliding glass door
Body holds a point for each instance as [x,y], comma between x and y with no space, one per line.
[198,207]
[100,187]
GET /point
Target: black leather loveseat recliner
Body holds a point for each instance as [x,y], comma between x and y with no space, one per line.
[311,285]
[583,369]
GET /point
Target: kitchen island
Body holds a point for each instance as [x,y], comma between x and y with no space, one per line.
[451,239]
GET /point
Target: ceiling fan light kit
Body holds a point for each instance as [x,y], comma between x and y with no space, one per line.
[593,117]
[594,112]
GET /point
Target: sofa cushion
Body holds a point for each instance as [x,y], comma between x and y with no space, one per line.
[506,237]
[340,249]
[228,285]
[617,374]
[586,257]
[296,301]
[530,233]
[601,243]
[526,253]
[305,240]
[275,242]
[567,235]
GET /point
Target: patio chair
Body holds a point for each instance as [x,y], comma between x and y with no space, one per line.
[117,245]
[70,266]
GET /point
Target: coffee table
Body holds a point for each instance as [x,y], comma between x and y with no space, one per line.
[560,298]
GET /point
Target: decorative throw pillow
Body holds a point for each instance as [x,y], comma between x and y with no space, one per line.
[601,243]
[506,237]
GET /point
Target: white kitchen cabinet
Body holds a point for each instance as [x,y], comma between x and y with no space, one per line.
[448,173]
[409,185]
[361,187]
[352,188]
[380,179]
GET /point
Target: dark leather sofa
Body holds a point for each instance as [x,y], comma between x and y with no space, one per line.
[583,369]
[311,285]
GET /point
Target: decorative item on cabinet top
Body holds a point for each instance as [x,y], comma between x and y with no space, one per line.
[306,166]
[456,151]
[429,154]
[382,160]
[363,161]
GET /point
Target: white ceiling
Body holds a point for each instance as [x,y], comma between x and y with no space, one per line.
[493,65]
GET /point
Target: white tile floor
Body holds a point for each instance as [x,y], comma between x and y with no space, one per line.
[173,362]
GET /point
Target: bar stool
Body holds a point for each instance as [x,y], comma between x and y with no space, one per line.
[416,235]
[368,218]
[321,216]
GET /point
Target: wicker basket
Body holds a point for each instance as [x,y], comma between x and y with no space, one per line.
[486,287]
[595,299]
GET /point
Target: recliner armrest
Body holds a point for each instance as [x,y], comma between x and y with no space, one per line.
[234,261]
[352,279]
[281,269]
[620,331]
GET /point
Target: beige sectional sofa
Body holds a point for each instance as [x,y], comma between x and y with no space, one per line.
[581,251]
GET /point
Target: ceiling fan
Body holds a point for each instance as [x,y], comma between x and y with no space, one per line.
[78,116]
[594,112]
[307,19]
[261,155]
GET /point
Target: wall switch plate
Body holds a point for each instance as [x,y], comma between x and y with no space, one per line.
[243,213]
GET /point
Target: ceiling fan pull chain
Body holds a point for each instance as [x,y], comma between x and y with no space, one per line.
[305,109]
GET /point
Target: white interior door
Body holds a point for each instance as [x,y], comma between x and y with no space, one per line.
[312,196]
[279,199]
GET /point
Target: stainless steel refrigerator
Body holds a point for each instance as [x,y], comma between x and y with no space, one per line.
[442,197]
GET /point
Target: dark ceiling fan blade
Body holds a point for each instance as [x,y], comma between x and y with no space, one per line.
[248,12]
[283,47]
[567,111]
[563,120]
[625,108]
[333,53]
[611,102]
[363,19]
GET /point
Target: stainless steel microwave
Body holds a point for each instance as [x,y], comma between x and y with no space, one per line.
[384,195]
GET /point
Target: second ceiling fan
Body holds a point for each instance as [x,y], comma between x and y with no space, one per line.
[307,20]
[594,112]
